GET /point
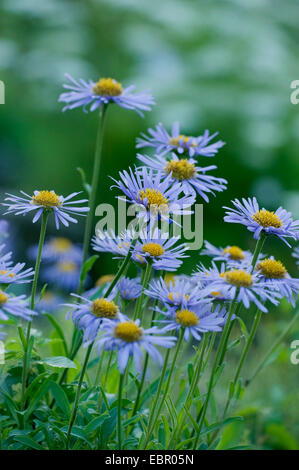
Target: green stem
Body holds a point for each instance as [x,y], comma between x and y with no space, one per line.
[193,385]
[119,430]
[219,353]
[105,380]
[243,357]
[258,248]
[94,187]
[75,407]
[257,251]
[99,369]
[32,301]
[151,426]
[119,403]
[145,281]
[272,349]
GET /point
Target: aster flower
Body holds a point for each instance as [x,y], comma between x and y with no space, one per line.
[4,230]
[200,319]
[180,292]
[46,201]
[5,259]
[15,306]
[163,142]
[129,289]
[49,303]
[58,249]
[104,91]
[248,213]
[161,252]
[295,254]
[2,334]
[154,194]
[88,315]
[229,254]
[192,177]
[15,274]
[276,277]
[130,339]
[109,242]
[238,284]
[63,274]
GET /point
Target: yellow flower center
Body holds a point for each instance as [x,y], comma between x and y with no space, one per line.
[108,87]
[153,249]
[154,197]
[46,198]
[104,279]
[271,268]
[238,278]
[3,272]
[104,308]
[186,318]
[216,293]
[3,298]
[172,294]
[267,219]
[67,266]
[234,252]
[181,140]
[128,331]
[61,244]
[181,169]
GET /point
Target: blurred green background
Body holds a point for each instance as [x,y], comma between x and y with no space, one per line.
[224,65]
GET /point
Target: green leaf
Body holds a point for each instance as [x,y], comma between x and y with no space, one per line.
[42,293]
[41,391]
[87,267]
[86,186]
[60,398]
[28,442]
[59,361]
[59,331]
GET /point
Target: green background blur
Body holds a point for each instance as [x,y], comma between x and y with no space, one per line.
[222,65]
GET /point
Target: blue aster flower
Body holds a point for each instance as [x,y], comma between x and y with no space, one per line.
[15,306]
[201,319]
[130,339]
[49,303]
[163,253]
[276,277]
[129,289]
[205,276]
[109,242]
[154,194]
[229,254]
[104,91]
[238,284]
[88,315]
[179,292]
[5,258]
[42,201]
[194,179]
[295,254]
[248,213]
[163,142]
[58,249]
[15,274]
[2,334]
[63,274]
